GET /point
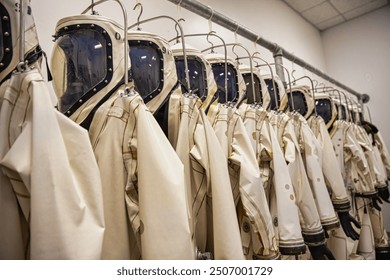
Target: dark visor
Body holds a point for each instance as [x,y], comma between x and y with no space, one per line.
[324,109]
[147,69]
[232,86]
[197,75]
[249,90]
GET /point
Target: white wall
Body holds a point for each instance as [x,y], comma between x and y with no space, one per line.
[358,54]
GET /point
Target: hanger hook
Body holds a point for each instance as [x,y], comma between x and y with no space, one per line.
[178,31]
[315,87]
[139,4]
[292,74]
[211,43]
[237,57]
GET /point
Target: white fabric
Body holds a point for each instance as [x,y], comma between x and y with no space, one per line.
[49,178]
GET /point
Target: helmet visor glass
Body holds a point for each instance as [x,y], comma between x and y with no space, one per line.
[80,64]
[271,90]
[324,109]
[232,87]
[146,68]
[196,73]
[299,100]
[256,97]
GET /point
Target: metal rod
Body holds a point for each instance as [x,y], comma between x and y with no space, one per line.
[230,24]
[21,31]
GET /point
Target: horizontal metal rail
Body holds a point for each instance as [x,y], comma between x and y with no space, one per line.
[278,52]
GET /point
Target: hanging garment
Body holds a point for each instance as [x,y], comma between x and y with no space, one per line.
[300,98]
[214,218]
[375,163]
[330,168]
[357,178]
[51,198]
[312,154]
[261,95]
[145,207]
[10,37]
[312,230]
[143,184]
[380,143]
[379,176]
[257,233]
[276,180]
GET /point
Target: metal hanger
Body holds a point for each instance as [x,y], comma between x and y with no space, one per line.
[22,65]
[139,4]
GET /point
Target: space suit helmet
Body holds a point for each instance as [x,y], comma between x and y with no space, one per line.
[202,82]
[279,91]
[153,67]
[10,37]
[87,63]
[302,100]
[235,82]
[262,93]
[326,108]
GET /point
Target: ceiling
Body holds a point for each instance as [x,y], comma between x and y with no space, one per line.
[324,14]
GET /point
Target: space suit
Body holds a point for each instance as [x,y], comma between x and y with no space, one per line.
[145,207]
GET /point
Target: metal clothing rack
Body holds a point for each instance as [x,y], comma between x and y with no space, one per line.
[278,52]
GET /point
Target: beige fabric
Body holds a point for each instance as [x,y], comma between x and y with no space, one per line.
[177,50]
[374,162]
[359,180]
[312,156]
[379,176]
[329,161]
[170,77]
[257,233]
[143,184]
[310,219]
[379,231]
[58,63]
[276,180]
[366,246]
[209,191]
[383,151]
[31,37]
[51,199]
[357,171]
